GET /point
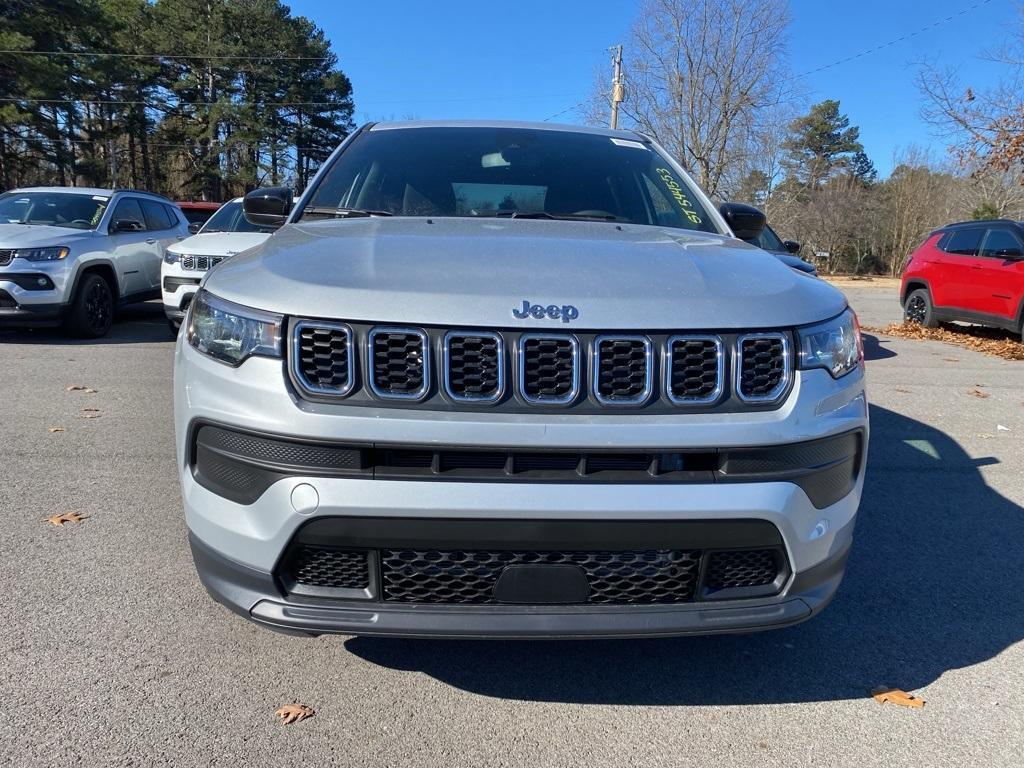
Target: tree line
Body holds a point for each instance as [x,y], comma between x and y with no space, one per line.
[196,99]
[709,80]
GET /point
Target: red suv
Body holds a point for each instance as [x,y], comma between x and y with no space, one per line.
[972,271]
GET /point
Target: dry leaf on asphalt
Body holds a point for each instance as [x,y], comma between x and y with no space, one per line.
[951,360]
[978,393]
[81,388]
[991,341]
[89,409]
[89,416]
[293,713]
[904,391]
[885,695]
[55,429]
[67,517]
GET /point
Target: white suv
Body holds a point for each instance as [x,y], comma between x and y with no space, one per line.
[224,234]
[516,380]
[72,254]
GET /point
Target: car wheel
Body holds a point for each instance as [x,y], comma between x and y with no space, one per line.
[174,326]
[92,309]
[918,309]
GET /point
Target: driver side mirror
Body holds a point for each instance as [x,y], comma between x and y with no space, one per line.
[125,225]
[791,246]
[267,207]
[745,221]
[194,227]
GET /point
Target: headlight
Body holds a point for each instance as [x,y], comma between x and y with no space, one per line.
[55,253]
[834,345]
[170,257]
[232,333]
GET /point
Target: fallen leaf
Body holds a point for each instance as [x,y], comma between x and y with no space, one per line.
[985,436]
[67,517]
[904,391]
[90,410]
[883,695]
[978,393]
[1001,428]
[55,429]
[991,341]
[293,713]
[76,387]
[88,416]
[951,359]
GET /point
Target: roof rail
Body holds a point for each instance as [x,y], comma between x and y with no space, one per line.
[115,190]
[977,222]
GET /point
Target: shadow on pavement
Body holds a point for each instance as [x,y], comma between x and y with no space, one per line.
[133,324]
[934,583]
[875,349]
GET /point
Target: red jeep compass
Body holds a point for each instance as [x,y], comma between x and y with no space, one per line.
[972,271]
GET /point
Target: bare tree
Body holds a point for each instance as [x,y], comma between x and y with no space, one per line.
[698,75]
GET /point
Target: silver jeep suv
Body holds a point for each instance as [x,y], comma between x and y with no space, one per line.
[516,380]
[71,254]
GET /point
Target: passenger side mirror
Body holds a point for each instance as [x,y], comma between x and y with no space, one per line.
[194,227]
[791,246]
[267,207]
[745,221]
[126,225]
[1010,254]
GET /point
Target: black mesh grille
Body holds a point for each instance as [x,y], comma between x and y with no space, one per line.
[474,366]
[7,301]
[622,373]
[763,367]
[200,263]
[324,357]
[6,256]
[398,363]
[328,568]
[741,568]
[694,373]
[548,368]
[433,576]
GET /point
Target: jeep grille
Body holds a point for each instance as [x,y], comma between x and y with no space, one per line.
[200,263]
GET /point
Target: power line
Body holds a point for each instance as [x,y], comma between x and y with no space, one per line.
[897,40]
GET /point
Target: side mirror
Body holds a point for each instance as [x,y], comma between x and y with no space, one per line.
[267,207]
[194,227]
[745,221]
[791,246]
[126,225]
[1010,254]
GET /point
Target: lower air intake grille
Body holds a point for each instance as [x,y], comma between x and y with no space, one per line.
[398,362]
[7,301]
[329,568]
[764,366]
[549,368]
[741,568]
[696,368]
[622,372]
[322,356]
[435,576]
[474,366]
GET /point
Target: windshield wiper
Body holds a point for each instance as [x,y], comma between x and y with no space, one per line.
[513,214]
[342,213]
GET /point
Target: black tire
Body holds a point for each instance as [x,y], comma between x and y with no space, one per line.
[918,309]
[92,309]
[174,326]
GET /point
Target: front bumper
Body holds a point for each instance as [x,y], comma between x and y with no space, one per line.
[32,295]
[177,289]
[238,547]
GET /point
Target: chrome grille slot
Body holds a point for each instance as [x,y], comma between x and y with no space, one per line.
[549,368]
[622,369]
[694,369]
[764,366]
[322,357]
[399,363]
[200,263]
[474,366]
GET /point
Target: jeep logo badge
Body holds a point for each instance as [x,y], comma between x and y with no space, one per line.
[538,311]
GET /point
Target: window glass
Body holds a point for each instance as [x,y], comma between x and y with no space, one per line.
[481,171]
[173,214]
[964,241]
[156,215]
[129,208]
[1000,242]
[57,209]
[197,215]
[230,218]
[768,240]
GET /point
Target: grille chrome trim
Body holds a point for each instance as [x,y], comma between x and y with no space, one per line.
[787,367]
[521,364]
[446,366]
[371,377]
[296,357]
[648,371]
[715,396]
[199,263]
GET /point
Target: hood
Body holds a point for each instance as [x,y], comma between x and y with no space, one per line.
[475,272]
[218,243]
[38,235]
[790,260]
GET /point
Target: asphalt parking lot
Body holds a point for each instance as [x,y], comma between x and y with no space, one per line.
[112,653]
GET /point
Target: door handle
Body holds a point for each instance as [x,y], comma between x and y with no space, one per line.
[150,240]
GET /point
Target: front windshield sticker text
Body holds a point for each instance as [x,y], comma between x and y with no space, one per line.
[677,193]
[538,311]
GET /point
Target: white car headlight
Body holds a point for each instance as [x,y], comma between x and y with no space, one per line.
[231,333]
[170,257]
[55,253]
[834,345]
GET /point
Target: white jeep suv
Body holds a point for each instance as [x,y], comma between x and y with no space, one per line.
[224,234]
[516,380]
[71,254]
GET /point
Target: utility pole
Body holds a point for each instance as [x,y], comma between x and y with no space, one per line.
[618,89]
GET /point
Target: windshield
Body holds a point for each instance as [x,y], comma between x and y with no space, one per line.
[471,171]
[229,218]
[768,240]
[58,209]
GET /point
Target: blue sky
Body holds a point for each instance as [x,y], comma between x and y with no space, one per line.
[529,60]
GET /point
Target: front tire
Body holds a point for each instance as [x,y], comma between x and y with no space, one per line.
[92,309]
[918,309]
